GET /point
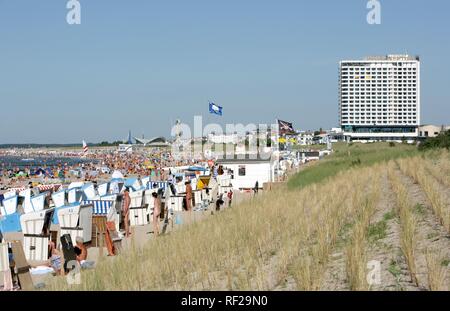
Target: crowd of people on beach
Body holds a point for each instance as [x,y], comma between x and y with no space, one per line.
[90,167]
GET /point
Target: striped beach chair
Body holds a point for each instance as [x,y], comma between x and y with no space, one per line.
[159,184]
[53,187]
[16,190]
[100,207]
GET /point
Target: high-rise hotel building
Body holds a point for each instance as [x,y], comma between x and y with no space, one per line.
[379,98]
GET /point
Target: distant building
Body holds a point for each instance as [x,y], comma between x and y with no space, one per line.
[154,142]
[125,148]
[320,139]
[223,138]
[336,130]
[379,98]
[336,134]
[305,139]
[426,131]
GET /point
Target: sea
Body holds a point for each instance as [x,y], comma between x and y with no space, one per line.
[13,162]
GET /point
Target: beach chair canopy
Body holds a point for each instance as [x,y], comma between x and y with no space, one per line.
[103,189]
[35,222]
[129,182]
[59,198]
[38,201]
[9,194]
[9,205]
[89,191]
[196,169]
[145,180]
[203,182]
[116,186]
[77,184]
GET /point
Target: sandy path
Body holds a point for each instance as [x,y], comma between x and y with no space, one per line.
[385,250]
[430,234]
[394,270]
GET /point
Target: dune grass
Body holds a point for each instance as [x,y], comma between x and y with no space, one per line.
[347,156]
[356,257]
[428,176]
[256,246]
[408,222]
[436,272]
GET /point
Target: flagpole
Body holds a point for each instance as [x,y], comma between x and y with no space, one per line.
[277,135]
[277,144]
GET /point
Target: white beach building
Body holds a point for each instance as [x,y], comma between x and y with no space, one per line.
[246,171]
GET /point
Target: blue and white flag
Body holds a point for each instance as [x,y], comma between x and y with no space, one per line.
[214,109]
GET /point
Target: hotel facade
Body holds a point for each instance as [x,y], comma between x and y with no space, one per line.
[379,98]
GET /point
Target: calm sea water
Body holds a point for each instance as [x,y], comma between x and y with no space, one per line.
[10,162]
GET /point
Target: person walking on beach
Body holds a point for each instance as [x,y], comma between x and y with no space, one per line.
[111,231]
[219,203]
[126,211]
[189,199]
[156,213]
[230,197]
[256,188]
[188,196]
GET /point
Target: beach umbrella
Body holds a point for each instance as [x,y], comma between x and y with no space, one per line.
[117,175]
[39,171]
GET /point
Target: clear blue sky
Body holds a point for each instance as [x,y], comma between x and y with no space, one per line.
[141,64]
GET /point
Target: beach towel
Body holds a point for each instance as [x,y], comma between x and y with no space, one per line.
[41,270]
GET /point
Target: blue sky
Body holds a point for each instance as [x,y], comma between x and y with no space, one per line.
[141,64]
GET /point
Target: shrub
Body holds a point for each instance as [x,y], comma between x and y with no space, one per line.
[440,141]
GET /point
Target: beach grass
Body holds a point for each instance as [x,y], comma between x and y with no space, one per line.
[347,156]
[253,246]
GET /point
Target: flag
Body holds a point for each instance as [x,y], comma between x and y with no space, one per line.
[285,127]
[214,109]
[85,147]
